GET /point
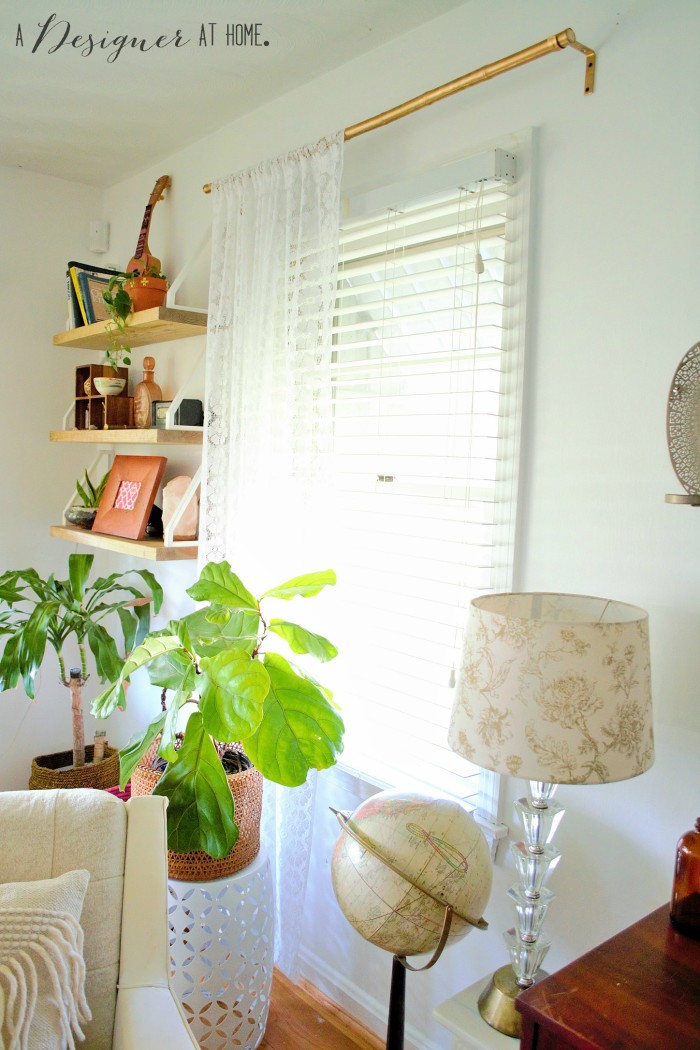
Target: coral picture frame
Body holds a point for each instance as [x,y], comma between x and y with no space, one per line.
[129,496]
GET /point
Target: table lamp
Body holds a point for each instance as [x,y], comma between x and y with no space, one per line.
[553,688]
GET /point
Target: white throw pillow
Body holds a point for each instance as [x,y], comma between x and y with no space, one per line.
[42,972]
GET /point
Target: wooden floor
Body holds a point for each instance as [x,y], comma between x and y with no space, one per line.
[302,1018]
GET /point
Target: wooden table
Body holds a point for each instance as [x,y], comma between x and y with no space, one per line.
[638,991]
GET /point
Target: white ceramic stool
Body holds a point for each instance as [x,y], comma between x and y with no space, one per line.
[221,955]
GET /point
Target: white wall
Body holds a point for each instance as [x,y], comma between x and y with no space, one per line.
[613,307]
[44,225]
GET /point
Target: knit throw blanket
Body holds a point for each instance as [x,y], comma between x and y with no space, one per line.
[41,960]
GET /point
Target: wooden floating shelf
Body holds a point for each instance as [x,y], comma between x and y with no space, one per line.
[158,325]
[151,436]
[153,550]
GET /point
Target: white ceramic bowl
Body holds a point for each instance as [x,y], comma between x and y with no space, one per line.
[107,385]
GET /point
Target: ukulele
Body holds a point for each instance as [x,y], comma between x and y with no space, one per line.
[143,260]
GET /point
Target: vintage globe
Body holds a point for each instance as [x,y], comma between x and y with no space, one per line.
[437,848]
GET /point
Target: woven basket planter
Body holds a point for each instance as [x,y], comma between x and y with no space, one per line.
[46,772]
[198,866]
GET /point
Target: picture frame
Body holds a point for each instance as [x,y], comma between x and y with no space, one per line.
[129,496]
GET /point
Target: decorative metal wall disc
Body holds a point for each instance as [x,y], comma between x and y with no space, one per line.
[683,421]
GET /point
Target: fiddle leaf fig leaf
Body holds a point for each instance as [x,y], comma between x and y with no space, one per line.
[113,696]
[299,731]
[300,640]
[172,670]
[131,755]
[108,700]
[305,586]
[149,649]
[167,743]
[214,630]
[220,586]
[200,812]
[233,690]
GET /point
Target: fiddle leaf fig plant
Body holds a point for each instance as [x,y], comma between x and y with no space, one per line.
[36,613]
[214,659]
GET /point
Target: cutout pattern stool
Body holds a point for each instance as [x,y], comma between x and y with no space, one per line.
[221,954]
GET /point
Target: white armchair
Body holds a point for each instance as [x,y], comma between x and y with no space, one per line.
[124,918]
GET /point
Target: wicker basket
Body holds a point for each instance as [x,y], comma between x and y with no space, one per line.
[46,772]
[198,866]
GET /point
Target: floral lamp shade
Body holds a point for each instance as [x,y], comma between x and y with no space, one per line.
[555,688]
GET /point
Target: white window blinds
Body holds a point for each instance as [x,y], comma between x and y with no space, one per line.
[425,369]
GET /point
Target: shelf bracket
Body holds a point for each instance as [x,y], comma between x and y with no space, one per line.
[169,529]
[178,280]
[177,400]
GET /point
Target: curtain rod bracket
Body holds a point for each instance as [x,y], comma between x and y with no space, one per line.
[567,38]
[589,78]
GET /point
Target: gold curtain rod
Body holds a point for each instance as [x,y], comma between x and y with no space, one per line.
[567,38]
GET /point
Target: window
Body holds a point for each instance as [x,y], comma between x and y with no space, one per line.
[426,382]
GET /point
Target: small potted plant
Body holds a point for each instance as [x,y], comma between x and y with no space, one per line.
[83,514]
[36,613]
[146,288]
[215,660]
[118,303]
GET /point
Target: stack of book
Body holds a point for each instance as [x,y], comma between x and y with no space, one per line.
[86,283]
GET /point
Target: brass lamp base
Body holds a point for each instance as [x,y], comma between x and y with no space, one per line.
[497,1002]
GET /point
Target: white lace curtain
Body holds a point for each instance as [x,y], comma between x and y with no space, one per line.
[272,293]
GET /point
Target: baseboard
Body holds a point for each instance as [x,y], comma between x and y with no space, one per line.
[355,1000]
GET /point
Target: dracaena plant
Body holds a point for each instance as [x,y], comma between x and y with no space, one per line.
[215,659]
[36,613]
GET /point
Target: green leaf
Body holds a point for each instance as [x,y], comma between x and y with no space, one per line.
[167,743]
[143,619]
[153,586]
[184,635]
[151,647]
[10,593]
[200,811]
[117,582]
[9,667]
[99,491]
[217,584]
[79,566]
[305,586]
[299,729]
[131,755]
[129,624]
[108,700]
[173,670]
[232,691]
[211,632]
[107,659]
[32,642]
[302,641]
[83,495]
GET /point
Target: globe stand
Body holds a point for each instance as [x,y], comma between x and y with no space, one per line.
[397,994]
[397,1005]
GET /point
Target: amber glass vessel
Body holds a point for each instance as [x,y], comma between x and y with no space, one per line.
[685,901]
